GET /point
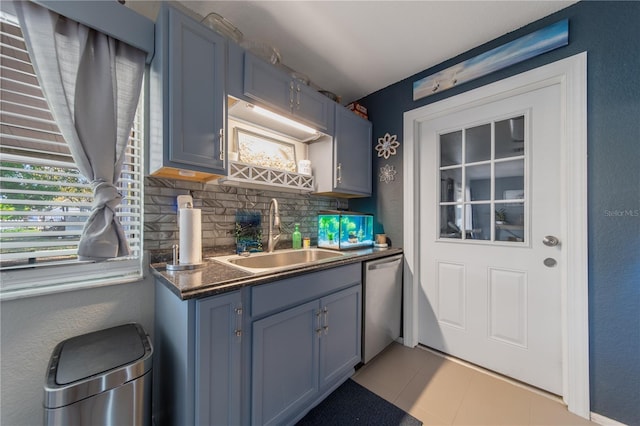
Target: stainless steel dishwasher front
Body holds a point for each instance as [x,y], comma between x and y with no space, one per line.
[382,303]
[100,378]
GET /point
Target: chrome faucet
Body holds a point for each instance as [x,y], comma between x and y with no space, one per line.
[274,220]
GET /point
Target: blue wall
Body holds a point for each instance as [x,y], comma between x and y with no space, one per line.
[610,33]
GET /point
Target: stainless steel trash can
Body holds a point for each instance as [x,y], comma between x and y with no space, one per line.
[100,378]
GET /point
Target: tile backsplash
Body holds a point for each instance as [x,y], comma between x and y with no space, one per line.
[219,205]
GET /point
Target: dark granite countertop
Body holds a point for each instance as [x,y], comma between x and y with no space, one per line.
[217,278]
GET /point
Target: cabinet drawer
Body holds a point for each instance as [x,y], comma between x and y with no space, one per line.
[291,291]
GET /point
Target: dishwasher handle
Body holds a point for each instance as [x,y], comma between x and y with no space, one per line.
[384,265]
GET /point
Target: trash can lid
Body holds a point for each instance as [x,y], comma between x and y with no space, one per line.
[86,365]
[94,353]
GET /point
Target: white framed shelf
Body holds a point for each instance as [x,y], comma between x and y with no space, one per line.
[252,176]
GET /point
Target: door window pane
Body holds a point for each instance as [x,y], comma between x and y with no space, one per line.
[478,144]
[509,180]
[482,182]
[510,222]
[480,222]
[451,149]
[451,185]
[510,137]
[478,182]
[450,221]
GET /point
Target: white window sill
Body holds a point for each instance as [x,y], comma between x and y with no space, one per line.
[21,283]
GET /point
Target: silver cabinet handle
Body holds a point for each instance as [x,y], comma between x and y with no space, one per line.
[222,144]
[339,173]
[550,241]
[298,96]
[318,326]
[291,95]
[325,311]
[238,330]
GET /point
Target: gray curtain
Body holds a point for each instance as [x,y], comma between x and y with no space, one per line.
[92,83]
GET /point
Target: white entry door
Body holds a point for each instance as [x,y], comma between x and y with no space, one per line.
[491,237]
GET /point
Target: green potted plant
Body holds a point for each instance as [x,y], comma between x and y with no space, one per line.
[501,216]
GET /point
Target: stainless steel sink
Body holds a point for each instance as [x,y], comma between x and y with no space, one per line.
[279,260]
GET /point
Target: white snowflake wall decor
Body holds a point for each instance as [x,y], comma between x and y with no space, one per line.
[387,173]
[387,145]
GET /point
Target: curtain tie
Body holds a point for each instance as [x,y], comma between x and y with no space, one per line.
[105,195]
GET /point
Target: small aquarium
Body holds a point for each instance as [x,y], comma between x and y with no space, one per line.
[340,230]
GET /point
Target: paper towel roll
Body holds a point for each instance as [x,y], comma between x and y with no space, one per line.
[190,236]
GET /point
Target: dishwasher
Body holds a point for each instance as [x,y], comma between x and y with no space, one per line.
[382,302]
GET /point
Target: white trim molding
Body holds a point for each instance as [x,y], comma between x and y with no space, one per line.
[571,74]
[605,421]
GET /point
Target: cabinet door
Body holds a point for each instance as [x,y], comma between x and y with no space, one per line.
[267,84]
[218,344]
[313,108]
[352,148]
[340,345]
[196,95]
[235,70]
[285,363]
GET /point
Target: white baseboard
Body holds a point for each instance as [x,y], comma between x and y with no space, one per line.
[605,421]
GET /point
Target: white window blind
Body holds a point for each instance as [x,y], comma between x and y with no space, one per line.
[44,201]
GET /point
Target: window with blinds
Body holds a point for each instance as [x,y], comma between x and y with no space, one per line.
[44,201]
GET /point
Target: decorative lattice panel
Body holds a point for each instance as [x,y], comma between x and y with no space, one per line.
[248,173]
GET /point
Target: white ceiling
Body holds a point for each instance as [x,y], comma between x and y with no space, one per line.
[354,48]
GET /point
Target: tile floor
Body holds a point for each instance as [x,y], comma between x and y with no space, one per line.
[439,391]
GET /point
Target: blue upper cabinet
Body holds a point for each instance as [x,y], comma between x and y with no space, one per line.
[342,166]
[187,96]
[352,147]
[235,70]
[312,107]
[277,90]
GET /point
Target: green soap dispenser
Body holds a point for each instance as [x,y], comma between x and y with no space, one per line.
[296,238]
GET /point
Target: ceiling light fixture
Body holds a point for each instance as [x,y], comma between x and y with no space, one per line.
[284,120]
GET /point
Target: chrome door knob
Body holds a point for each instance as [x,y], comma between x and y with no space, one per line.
[550,241]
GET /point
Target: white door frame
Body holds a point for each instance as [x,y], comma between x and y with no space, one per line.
[571,74]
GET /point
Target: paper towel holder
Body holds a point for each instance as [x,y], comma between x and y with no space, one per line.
[176,266]
[184,201]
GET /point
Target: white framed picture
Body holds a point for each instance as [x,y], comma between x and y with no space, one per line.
[264,151]
[513,194]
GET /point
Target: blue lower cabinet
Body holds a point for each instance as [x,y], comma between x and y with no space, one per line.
[197,360]
[302,352]
[285,363]
[218,360]
[216,363]
[340,348]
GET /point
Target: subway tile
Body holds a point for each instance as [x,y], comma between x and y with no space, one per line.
[219,205]
[221,242]
[187,185]
[212,203]
[162,200]
[159,182]
[226,196]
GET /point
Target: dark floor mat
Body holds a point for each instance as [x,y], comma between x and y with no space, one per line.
[352,404]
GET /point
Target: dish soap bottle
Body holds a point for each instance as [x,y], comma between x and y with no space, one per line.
[296,238]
